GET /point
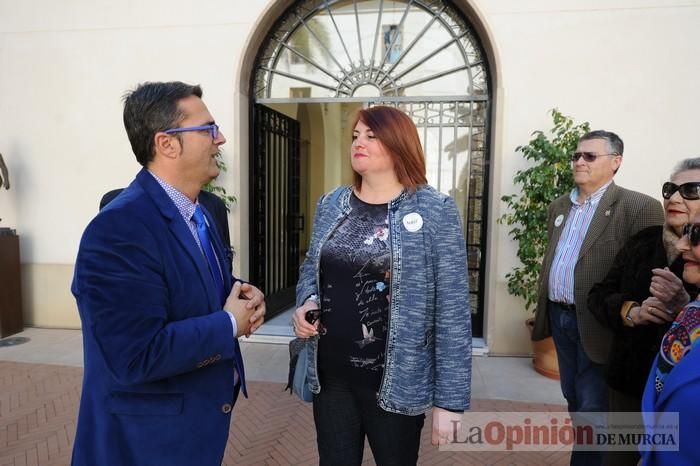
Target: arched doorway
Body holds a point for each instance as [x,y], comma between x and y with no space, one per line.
[320,62]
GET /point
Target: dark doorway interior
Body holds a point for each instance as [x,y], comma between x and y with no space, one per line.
[275,172]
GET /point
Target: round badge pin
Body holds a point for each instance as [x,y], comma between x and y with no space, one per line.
[413,222]
[558,221]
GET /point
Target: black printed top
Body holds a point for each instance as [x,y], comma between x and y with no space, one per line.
[355,274]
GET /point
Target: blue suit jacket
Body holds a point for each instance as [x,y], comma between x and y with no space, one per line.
[681,394]
[159,375]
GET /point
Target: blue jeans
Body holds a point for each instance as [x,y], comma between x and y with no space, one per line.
[582,381]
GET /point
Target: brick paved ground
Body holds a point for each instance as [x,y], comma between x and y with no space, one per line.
[38,405]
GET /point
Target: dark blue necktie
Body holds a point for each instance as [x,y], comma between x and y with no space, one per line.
[205,240]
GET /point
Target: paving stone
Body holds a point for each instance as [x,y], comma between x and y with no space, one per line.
[39,404]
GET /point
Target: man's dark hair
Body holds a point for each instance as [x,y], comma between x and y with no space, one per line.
[150,108]
[615,144]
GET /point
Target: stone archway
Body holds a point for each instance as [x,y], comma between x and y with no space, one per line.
[427,58]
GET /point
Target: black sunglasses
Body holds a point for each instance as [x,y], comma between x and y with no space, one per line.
[588,156]
[689,191]
[692,230]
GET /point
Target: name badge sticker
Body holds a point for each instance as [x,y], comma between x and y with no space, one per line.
[558,221]
[413,222]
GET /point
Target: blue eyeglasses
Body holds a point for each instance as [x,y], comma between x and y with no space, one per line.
[213,130]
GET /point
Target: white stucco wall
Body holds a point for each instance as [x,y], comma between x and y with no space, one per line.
[65,67]
[630,66]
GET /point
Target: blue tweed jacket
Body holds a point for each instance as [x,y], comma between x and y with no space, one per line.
[428,348]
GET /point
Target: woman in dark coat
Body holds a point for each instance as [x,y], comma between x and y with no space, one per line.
[640,297]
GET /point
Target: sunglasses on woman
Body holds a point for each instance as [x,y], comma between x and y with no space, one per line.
[692,230]
[689,191]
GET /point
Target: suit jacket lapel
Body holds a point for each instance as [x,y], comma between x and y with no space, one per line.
[563,210]
[601,218]
[181,232]
[560,209]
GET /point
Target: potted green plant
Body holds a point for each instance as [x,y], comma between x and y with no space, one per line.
[547,177]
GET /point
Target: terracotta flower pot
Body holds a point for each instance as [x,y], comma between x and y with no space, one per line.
[545,361]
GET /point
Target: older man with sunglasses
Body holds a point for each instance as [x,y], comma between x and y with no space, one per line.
[586,229]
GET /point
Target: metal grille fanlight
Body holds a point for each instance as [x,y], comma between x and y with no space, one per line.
[418,55]
[355,49]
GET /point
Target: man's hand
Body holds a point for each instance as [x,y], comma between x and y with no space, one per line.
[302,328]
[445,425]
[668,288]
[237,305]
[256,300]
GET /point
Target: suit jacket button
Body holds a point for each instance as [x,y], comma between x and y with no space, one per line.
[226,408]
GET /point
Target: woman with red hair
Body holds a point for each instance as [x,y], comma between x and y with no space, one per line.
[383,301]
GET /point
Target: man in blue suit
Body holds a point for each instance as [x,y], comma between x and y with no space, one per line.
[160,309]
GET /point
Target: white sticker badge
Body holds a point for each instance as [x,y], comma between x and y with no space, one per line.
[558,220]
[413,222]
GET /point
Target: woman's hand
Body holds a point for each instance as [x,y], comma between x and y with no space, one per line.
[302,328]
[652,310]
[445,426]
[668,288]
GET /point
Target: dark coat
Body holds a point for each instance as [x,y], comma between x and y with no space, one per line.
[633,348]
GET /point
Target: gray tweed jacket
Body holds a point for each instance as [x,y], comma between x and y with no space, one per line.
[429,340]
[620,214]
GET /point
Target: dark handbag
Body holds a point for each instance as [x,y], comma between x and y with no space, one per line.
[299,360]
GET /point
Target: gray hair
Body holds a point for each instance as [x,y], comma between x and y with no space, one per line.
[685,165]
[614,142]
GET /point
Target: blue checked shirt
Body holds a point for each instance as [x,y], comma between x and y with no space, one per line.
[561,275]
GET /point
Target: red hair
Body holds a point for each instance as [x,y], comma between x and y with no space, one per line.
[399,136]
